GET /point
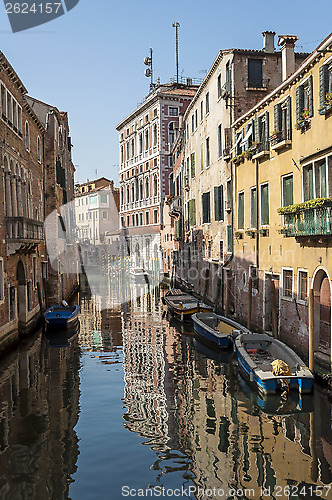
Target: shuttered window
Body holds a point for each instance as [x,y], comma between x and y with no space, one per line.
[304,99]
[229,239]
[255,73]
[1,280]
[192,164]
[240,213]
[303,285]
[308,183]
[192,212]
[207,152]
[287,190]
[219,203]
[287,282]
[253,208]
[322,181]
[325,83]
[265,209]
[219,141]
[206,212]
[202,157]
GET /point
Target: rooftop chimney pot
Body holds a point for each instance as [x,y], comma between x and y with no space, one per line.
[287,47]
[268,41]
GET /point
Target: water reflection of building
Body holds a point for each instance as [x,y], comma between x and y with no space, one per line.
[39,391]
[144,370]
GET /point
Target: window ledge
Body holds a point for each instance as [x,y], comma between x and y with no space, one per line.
[260,89]
[261,154]
[281,144]
[286,297]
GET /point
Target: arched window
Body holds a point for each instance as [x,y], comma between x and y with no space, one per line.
[141,190]
[128,194]
[133,148]
[122,154]
[136,189]
[147,190]
[132,192]
[122,193]
[155,135]
[171,133]
[141,143]
[146,139]
[128,147]
[155,186]
[38,149]
[27,136]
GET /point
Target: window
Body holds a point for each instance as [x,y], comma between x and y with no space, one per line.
[27,136]
[202,157]
[192,212]
[146,118]
[171,133]
[136,219]
[219,86]
[140,142]
[325,83]
[122,222]
[265,210]
[173,111]
[303,285]
[308,183]
[105,215]
[103,198]
[304,100]
[218,203]
[219,141]
[207,103]
[282,120]
[155,113]
[133,220]
[207,151]
[147,190]
[141,219]
[287,281]
[287,190]
[155,216]
[38,149]
[147,218]
[206,214]
[2,281]
[192,123]
[155,135]
[34,271]
[255,73]
[262,131]
[93,200]
[196,119]
[202,111]
[132,148]
[228,77]
[320,179]
[253,208]
[147,139]
[128,220]
[316,178]
[240,213]
[229,239]
[192,164]
[122,154]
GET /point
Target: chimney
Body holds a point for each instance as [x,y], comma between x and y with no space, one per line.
[180,121]
[287,45]
[268,41]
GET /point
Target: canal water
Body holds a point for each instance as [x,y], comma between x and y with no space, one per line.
[132,406]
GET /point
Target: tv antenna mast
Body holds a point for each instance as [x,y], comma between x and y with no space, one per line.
[176,25]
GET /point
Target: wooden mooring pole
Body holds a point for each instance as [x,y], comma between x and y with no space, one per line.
[274,310]
[249,303]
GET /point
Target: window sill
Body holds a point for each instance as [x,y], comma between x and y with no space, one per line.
[259,89]
[261,154]
[287,298]
[281,145]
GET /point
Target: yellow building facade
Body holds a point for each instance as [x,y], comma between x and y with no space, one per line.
[283,205]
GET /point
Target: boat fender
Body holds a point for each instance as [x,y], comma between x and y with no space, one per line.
[64,303]
[251,376]
[235,333]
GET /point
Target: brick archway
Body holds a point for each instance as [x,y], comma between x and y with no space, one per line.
[322,312]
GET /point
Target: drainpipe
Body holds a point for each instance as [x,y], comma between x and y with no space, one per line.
[257,220]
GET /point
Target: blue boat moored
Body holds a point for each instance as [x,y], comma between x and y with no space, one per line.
[216,331]
[62,316]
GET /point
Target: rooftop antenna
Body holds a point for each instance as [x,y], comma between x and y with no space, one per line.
[149,71]
[96,173]
[176,25]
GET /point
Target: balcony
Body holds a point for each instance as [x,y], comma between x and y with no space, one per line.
[314,221]
[23,232]
[261,149]
[175,206]
[257,84]
[281,139]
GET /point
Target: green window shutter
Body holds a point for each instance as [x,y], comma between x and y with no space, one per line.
[311,183]
[240,214]
[277,117]
[229,239]
[221,197]
[267,125]
[216,203]
[299,101]
[253,131]
[265,217]
[202,157]
[323,189]
[206,208]
[256,129]
[289,117]
[323,84]
[288,191]
[253,208]
[192,212]
[311,99]
[192,162]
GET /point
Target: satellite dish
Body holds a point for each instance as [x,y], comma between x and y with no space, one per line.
[148,72]
[147,61]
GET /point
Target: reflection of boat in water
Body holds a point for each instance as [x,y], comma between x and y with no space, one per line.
[274,404]
[62,337]
[215,330]
[271,364]
[183,305]
[221,356]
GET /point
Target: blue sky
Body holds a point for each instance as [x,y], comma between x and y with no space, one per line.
[89,61]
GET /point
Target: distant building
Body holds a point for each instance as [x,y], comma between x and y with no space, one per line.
[146,137]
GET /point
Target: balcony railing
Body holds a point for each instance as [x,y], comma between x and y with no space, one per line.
[315,221]
[281,138]
[23,229]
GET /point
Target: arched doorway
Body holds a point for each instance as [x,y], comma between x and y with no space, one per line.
[322,313]
[22,293]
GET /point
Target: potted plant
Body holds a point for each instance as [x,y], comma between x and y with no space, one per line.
[304,118]
[275,135]
[327,105]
